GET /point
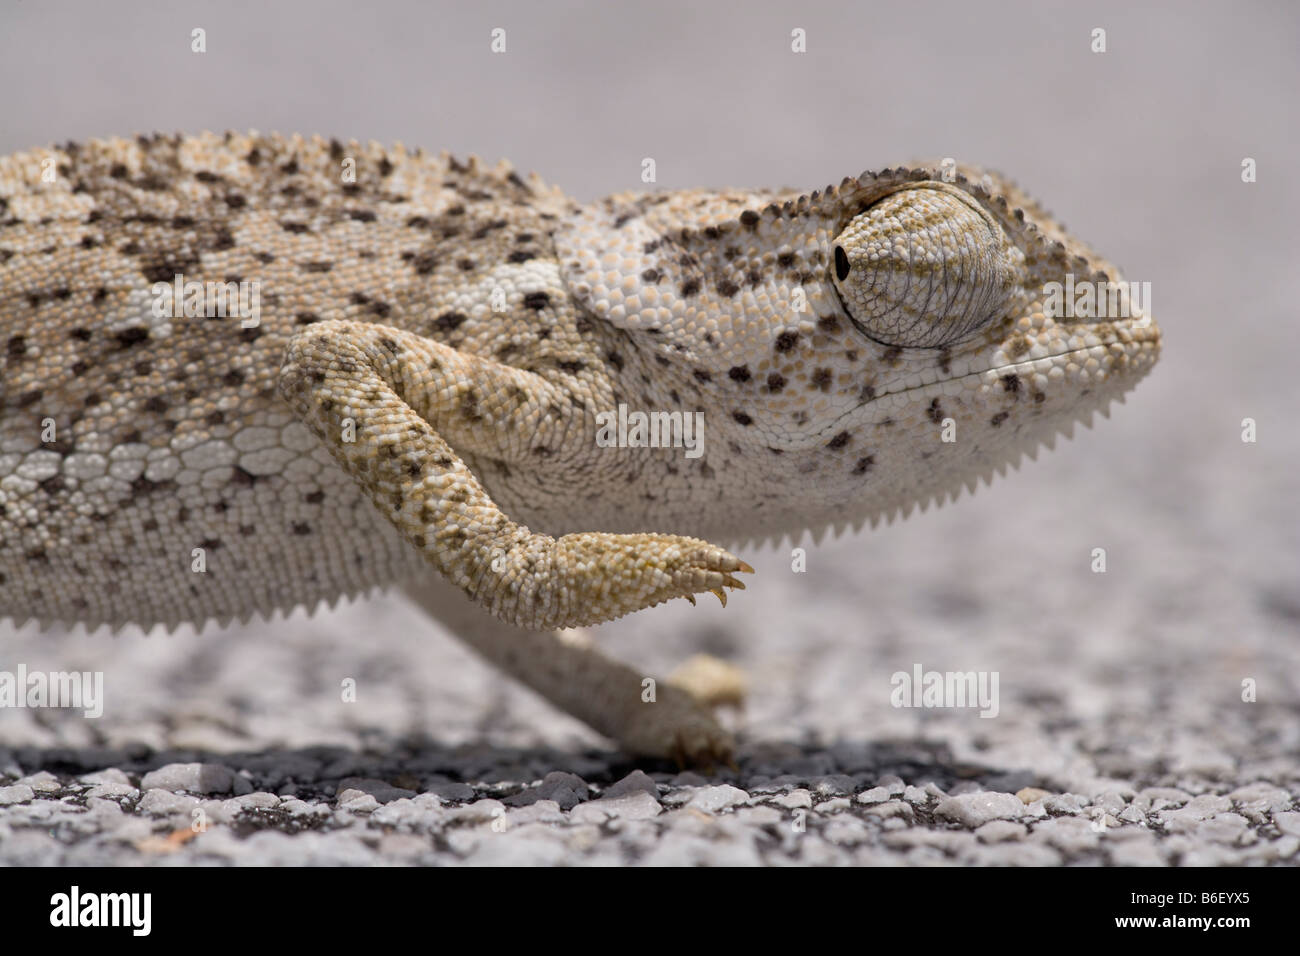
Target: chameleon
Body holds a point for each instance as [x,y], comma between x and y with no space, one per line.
[247,373]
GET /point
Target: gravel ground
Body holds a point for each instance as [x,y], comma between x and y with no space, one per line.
[1147,715]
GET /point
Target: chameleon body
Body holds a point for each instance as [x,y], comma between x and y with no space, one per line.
[417,398]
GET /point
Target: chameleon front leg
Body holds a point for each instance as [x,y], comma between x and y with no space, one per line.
[392,406]
[565,669]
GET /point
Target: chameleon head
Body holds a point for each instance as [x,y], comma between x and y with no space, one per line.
[866,348]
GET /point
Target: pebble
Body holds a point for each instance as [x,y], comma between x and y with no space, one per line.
[381,790]
[43,782]
[892,809]
[1000,831]
[194,777]
[874,795]
[637,805]
[18,793]
[794,800]
[715,799]
[636,781]
[1288,823]
[975,809]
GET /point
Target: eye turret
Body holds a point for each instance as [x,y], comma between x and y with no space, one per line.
[922,268]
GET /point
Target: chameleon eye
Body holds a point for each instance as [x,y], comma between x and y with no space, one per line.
[923,268]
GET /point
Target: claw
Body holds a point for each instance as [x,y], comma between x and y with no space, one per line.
[722,595]
[691,598]
[745,568]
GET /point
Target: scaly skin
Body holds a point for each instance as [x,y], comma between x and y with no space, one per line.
[418,401]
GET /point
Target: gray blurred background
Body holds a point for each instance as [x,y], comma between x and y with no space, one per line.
[1133,675]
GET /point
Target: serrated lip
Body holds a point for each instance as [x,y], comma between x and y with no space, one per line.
[1001,369]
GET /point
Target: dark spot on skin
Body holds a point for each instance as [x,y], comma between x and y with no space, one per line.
[999,418]
[738,373]
[449,321]
[132,336]
[52,485]
[624,219]
[892,355]
[206,176]
[787,341]
[1011,383]
[702,376]
[522,255]
[291,167]
[690,287]
[215,418]
[469,405]
[317,266]
[306,318]
[242,478]
[1017,346]
[775,382]
[1039,398]
[728,288]
[385,167]
[87,242]
[79,368]
[167,269]
[118,171]
[92,400]
[466,265]
[295,227]
[424,262]
[155,405]
[143,367]
[651,275]
[934,412]
[314,497]
[16,346]
[362,215]
[615,360]
[254,156]
[828,323]
[301,527]
[236,201]
[742,418]
[233,379]
[572,367]
[785,260]
[864,465]
[822,378]
[536,301]
[839,441]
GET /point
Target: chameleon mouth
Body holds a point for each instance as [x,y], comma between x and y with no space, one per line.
[1113,359]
